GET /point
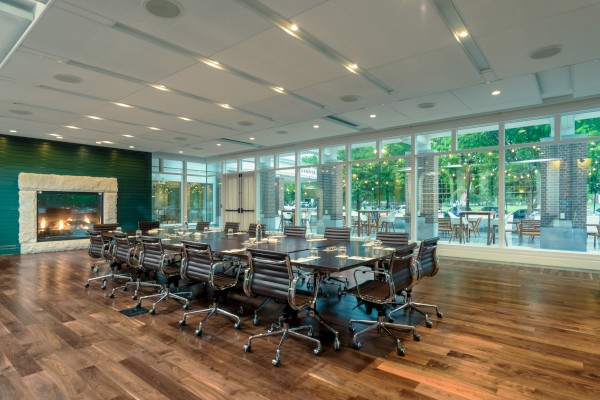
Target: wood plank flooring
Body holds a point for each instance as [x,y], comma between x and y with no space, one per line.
[508,332]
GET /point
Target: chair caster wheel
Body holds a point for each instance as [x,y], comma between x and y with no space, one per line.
[428,324]
[417,337]
[182,322]
[336,344]
[112,295]
[255,321]
[95,269]
[237,325]
[86,285]
[401,351]
[138,304]
[103,287]
[134,297]
[439,314]
[339,293]
[391,320]
[247,348]
[356,345]
[318,350]
[152,311]
[198,332]
[186,306]
[351,328]
[125,289]
[276,362]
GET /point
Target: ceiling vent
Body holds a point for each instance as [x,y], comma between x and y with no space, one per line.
[239,142]
[341,121]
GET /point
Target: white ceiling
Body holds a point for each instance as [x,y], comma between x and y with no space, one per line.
[405,52]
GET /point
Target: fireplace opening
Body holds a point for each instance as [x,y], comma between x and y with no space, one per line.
[67,215]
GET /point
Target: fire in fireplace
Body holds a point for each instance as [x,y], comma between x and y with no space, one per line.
[67,215]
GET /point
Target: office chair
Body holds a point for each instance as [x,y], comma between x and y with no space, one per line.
[428,265]
[202,226]
[252,230]
[381,290]
[235,226]
[99,248]
[270,275]
[340,234]
[146,226]
[198,266]
[294,231]
[153,258]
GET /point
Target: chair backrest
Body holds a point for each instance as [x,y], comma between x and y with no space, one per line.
[444,225]
[269,274]
[104,227]
[197,263]
[202,226]
[96,248]
[152,255]
[121,248]
[396,238]
[287,215]
[145,226]
[391,217]
[332,233]
[429,264]
[403,271]
[252,230]
[294,231]
[235,226]
[477,222]
[530,225]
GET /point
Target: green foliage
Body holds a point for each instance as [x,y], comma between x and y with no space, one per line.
[380,184]
[479,139]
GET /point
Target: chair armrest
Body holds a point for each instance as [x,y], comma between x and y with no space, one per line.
[292,293]
[375,273]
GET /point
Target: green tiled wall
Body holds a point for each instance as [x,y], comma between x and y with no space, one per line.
[131,168]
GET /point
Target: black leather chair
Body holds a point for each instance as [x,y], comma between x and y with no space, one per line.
[198,266]
[202,226]
[126,254]
[153,258]
[98,248]
[341,234]
[294,231]
[270,275]
[396,239]
[146,226]
[234,226]
[252,230]
[428,265]
[381,290]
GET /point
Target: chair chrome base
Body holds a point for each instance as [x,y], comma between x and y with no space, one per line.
[410,306]
[166,294]
[214,310]
[138,283]
[286,331]
[380,325]
[113,276]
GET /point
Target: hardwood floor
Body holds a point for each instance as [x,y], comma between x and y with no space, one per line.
[508,332]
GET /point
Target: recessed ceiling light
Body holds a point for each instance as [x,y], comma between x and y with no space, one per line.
[522,131]
[154,128]
[160,87]
[225,105]
[93,117]
[67,78]
[185,118]
[127,135]
[294,27]
[107,142]
[316,126]
[163,8]
[463,34]
[122,105]
[180,151]
[53,134]
[132,147]
[71,127]
[278,89]
[59,137]
[98,142]
[12,131]
[373,116]
[546,52]
[349,98]
[352,68]
[212,63]
[496,92]
[218,144]
[251,138]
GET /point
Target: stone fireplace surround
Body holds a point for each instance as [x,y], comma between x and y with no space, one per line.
[30,184]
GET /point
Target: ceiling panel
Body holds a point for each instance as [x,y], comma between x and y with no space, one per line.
[221,86]
[385,117]
[281,60]
[439,105]
[359,30]
[286,109]
[358,93]
[578,45]
[239,121]
[291,8]
[23,127]
[71,37]
[36,114]
[206,26]
[586,81]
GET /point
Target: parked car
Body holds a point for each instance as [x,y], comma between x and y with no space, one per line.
[456,210]
[520,214]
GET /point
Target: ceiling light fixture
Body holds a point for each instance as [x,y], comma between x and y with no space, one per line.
[160,87]
[212,63]
[53,134]
[71,127]
[12,131]
[496,92]
[218,144]
[59,137]
[372,116]
[107,142]
[127,135]
[180,151]
[94,117]
[352,68]
[154,128]
[251,138]
[294,27]
[98,142]
[226,106]
[185,118]
[122,105]
[316,126]
[132,147]
[278,89]
[463,34]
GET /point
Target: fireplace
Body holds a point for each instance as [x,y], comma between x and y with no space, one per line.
[67,215]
